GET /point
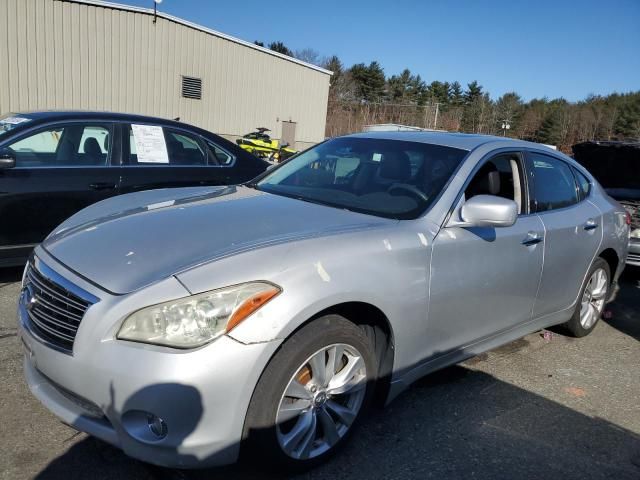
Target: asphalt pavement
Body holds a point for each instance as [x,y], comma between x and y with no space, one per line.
[545,406]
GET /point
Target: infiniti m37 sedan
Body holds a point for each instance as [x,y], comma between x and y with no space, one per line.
[190,327]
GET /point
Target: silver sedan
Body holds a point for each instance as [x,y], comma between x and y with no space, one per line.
[190,326]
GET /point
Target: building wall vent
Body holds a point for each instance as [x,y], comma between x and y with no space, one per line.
[192,87]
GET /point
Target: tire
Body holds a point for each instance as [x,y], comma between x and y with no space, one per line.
[271,422]
[595,295]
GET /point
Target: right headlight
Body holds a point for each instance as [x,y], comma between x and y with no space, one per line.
[194,321]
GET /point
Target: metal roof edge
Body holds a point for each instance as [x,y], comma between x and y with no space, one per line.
[195,26]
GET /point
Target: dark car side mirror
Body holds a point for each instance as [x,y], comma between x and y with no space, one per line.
[7,159]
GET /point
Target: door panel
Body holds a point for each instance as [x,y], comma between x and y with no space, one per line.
[573,231]
[60,169]
[181,160]
[483,281]
[571,242]
[135,179]
[36,200]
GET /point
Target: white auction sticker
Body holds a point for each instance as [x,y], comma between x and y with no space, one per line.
[14,120]
[150,144]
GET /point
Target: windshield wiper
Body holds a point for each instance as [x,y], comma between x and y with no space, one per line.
[253,185]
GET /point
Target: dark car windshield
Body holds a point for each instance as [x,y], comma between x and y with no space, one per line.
[388,178]
[9,121]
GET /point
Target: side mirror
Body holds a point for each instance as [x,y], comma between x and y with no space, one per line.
[284,145]
[7,159]
[489,211]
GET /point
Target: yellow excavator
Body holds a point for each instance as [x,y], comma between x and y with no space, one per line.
[260,144]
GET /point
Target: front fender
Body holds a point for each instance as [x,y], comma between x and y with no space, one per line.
[385,268]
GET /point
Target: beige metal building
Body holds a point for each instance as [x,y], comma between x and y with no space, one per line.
[93,55]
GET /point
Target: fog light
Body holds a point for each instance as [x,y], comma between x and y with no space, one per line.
[157,426]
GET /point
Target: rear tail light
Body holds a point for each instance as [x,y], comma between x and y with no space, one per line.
[628,218]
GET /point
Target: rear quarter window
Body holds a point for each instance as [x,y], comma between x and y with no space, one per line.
[584,184]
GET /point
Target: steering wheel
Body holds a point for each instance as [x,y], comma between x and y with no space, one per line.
[412,189]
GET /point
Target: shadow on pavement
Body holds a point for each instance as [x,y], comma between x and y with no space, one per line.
[456,423]
[10,275]
[625,310]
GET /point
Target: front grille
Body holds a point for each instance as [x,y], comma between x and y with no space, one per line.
[633,257]
[54,312]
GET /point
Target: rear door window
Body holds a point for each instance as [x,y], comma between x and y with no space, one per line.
[554,183]
[151,145]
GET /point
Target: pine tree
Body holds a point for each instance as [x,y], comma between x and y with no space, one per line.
[369,81]
[280,48]
[456,95]
[627,125]
[473,93]
[549,132]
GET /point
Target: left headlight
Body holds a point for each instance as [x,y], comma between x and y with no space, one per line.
[194,321]
[635,233]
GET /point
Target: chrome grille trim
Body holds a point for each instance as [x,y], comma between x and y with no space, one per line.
[54,307]
[34,278]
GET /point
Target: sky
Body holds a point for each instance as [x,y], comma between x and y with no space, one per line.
[538,48]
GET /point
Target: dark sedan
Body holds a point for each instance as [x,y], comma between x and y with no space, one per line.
[53,164]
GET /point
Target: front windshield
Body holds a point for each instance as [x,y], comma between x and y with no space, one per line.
[387,178]
[9,121]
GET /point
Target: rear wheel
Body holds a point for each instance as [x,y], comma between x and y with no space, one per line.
[591,302]
[311,395]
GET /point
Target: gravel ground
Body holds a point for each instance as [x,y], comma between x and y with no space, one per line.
[537,408]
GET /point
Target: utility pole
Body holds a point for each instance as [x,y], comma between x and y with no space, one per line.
[155,9]
[435,118]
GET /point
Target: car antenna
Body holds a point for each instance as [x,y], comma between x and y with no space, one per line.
[177,119]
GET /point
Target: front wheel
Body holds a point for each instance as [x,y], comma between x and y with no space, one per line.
[592,299]
[311,395]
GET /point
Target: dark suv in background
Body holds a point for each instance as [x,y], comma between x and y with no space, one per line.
[53,164]
[616,165]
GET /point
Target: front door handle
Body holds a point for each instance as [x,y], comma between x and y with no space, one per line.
[532,238]
[102,186]
[590,225]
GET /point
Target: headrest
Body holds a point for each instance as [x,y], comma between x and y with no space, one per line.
[486,181]
[92,147]
[395,166]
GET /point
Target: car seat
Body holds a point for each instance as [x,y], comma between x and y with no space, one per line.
[92,152]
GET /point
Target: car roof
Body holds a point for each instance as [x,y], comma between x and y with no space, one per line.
[58,115]
[462,141]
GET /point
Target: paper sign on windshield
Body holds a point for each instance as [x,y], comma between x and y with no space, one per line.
[150,144]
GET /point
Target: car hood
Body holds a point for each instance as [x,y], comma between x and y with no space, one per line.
[134,240]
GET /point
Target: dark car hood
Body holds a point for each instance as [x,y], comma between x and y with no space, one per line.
[132,241]
[616,165]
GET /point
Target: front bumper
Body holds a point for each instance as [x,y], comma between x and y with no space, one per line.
[633,257]
[107,387]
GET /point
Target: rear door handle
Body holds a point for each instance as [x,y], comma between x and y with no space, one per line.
[532,238]
[590,225]
[102,186]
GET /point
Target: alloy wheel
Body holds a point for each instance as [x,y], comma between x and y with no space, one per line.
[321,401]
[593,298]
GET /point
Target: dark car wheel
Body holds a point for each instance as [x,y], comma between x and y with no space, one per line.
[311,395]
[592,299]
